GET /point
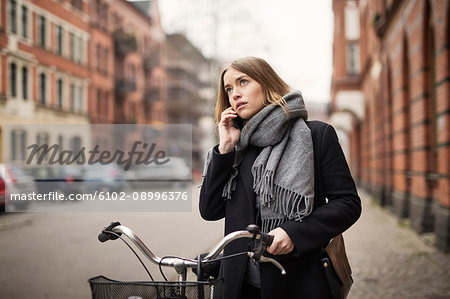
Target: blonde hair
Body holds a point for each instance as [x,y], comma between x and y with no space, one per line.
[274,88]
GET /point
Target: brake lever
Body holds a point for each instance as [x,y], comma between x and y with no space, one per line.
[264,259]
[260,246]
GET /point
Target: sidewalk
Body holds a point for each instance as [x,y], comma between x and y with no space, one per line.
[389,260]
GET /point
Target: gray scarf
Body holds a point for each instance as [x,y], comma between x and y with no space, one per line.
[283,172]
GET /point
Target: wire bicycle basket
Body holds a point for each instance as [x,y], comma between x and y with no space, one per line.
[105,288]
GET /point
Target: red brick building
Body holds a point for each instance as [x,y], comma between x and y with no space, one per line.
[127,64]
[391,100]
[78,62]
[44,73]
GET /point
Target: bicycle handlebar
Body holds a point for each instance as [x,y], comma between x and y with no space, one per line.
[252,232]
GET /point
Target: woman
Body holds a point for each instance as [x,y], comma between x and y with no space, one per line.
[273,168]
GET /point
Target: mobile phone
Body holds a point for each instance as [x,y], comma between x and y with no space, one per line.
[238,122]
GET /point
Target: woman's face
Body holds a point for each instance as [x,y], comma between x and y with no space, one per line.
[245,95]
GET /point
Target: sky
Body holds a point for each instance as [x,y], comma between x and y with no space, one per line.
[294,36]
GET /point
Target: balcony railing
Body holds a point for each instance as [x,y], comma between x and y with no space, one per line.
[124,86]
[151,96]
[124,42]
[150,62]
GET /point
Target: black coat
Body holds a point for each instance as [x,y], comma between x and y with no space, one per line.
[336,207]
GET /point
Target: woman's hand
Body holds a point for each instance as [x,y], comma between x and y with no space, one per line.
[282,243]
[228,134]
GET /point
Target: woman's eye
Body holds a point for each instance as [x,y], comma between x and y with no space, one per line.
[228,90]
[243,81]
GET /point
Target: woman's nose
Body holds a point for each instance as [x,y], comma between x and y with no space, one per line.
[236,94]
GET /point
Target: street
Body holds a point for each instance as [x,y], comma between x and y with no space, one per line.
[52,255]
[389,260]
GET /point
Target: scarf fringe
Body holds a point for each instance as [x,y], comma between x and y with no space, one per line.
[263,181]
[289,204]
[271,223]
[230,185]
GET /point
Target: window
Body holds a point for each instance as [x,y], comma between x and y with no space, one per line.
[352,30]
[80,50]
[72,46]
[132,72]
[25,83]
[59,86]
[352,58]
[59,40]
[102,14]
[13,79]
[77,4]
[105,17]
[42,139]
[97,10]
[97,55]
[42,88]
[18,139]
[13,146]
[42,31]
[13,16]
[99,98]
[105,108]
[80,99]
[75,145]
[60,143]
[72,97]
[24,21]
[106,61]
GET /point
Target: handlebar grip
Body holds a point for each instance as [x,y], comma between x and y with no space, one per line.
[267,239]
[102,237]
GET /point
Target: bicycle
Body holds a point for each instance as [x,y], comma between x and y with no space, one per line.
[207,285]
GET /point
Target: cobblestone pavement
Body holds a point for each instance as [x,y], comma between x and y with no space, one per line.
[389,260]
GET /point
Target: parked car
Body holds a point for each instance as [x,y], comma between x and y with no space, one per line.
[14,180]
[58,178]
[109,177]
[174,173]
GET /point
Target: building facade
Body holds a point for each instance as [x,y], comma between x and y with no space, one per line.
[44,72]
[391,101]
[127,63]
[78,62]
[139,73]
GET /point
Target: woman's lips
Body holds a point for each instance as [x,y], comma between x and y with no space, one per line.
[240,105]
